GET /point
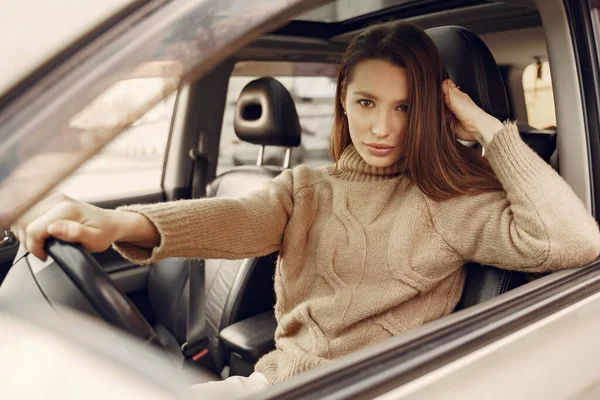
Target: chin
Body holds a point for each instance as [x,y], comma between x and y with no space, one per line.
[380,162]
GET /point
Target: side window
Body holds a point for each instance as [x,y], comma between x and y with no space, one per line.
[132,163]
[312,86]
[539,97]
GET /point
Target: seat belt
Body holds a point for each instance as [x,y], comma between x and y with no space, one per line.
[196,344]
[199,174]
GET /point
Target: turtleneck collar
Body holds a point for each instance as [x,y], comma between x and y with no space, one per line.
[351,166]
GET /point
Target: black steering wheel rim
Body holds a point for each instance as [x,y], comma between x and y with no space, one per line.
[106,297]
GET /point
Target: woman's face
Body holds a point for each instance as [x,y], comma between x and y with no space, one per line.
[376,106]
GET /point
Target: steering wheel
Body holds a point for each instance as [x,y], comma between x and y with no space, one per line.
[89,277]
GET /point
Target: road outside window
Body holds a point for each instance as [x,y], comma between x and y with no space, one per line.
[539,97]
[132,164]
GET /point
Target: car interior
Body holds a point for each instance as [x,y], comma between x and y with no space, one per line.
[216,316]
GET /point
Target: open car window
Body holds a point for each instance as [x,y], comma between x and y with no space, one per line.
[64,117]
[539,96]
[132,164]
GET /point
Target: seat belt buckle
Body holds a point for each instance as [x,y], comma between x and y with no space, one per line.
[199,355]
[195,352]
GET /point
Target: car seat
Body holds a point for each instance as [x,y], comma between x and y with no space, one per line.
[265,115]
[471,66]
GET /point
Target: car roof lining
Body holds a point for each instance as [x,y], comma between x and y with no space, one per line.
[277,47]
[479,16]
[327,30]
[305,41]
[481,19]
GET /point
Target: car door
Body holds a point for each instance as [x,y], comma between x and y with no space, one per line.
[53,32]
[131,169]
[127,171]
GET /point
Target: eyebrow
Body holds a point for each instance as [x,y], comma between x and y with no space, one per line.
[372,96]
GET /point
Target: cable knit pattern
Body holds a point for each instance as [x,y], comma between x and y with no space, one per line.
[364,255]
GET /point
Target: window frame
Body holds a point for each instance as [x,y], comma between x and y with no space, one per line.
[157,188]
[388,365]
[363,372]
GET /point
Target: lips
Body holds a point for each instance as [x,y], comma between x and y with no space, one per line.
[378,149]
[379,146]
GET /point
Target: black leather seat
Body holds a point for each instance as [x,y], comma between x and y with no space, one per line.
[471,66]
[542,141]
[234,289]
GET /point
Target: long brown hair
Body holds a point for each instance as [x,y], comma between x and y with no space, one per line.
[435,162]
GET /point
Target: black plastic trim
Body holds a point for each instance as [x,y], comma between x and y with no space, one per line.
[152,197]
[178,193]
[163,172]
[401,364]
[586,58]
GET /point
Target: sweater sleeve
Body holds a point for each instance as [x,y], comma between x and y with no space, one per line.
[536,224]
[225,228]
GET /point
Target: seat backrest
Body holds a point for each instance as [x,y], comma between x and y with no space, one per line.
[228,280]
[471,66]
[265,115]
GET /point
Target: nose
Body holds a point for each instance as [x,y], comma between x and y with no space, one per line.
[383,123]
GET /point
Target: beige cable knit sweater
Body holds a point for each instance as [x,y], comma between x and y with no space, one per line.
[364,255]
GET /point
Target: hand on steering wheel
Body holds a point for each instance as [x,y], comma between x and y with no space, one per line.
[89,277]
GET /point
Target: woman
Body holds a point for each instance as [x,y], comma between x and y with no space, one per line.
[374,245]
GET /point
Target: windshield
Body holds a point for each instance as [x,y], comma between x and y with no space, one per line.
[65,117]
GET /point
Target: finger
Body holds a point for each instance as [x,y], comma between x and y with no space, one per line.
[35,247]
[456,90]
[75,232]
[37,232]
[20,235]
[450,90]
[446,87]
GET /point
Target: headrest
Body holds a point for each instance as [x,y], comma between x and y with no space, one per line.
[265,114]
[471,66]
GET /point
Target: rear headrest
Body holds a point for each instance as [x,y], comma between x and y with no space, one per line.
[471,66]
[265,114]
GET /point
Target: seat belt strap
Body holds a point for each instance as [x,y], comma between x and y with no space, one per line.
[199,174]
[196,341]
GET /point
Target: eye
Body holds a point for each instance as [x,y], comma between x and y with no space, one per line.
[365,103]
[402,107]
